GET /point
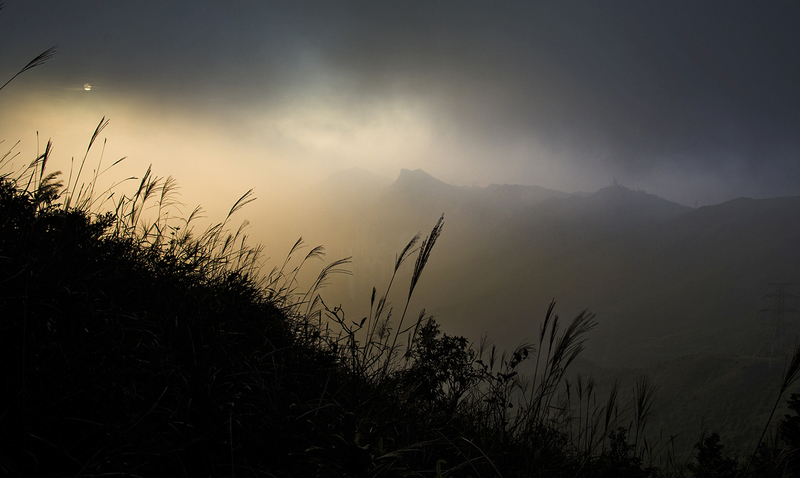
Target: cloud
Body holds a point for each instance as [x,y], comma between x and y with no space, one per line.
[621,88]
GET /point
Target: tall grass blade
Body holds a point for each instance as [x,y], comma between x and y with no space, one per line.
[38,61]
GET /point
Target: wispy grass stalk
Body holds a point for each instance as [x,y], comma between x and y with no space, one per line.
[790,376]
[37,61]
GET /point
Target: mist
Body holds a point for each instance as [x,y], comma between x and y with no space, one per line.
[638,161]
[694,103]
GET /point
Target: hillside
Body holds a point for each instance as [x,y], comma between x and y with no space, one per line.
[134,345]
[664,279]
[701,394]
[139,348]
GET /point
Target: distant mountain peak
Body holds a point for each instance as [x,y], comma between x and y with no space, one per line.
[416,174]
[418,179]
[620,203]
[618,192]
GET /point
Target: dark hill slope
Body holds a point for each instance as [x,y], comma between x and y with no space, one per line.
[118,357]
[127,353]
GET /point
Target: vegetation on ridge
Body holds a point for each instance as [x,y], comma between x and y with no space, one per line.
[135,346]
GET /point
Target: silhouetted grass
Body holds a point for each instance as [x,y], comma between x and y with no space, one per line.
[134,345]
[37,61]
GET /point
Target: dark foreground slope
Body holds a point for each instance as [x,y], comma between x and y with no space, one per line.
[122,357]
[139,350]
[144,351]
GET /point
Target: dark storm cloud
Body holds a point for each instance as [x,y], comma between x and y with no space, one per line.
[701,87]
[700,80]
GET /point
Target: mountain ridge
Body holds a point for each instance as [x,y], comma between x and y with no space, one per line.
[640,261]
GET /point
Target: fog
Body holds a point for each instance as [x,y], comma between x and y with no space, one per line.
[693,102]
[637,128]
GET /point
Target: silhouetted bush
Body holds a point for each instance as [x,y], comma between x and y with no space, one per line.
[711,462]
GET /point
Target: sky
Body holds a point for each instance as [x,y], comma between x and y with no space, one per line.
[695,101]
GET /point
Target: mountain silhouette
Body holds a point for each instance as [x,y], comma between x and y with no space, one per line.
[419,182]
[665,279]
[680,293]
